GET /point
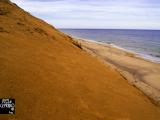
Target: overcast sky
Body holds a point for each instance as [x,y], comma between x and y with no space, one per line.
[121,14]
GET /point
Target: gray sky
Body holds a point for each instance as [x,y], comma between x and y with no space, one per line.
[121,14]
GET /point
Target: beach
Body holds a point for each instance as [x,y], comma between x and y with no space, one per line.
[143,74]
[51,76]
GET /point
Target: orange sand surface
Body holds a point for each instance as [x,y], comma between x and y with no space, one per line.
[53,79]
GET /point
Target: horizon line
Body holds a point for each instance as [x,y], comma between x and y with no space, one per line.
[110,28]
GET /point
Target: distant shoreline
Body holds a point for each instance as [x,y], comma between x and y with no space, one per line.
[146,50]
[138,55]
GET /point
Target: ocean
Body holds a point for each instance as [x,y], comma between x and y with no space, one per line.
[145,43]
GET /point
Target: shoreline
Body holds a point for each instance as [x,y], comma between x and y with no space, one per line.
[138,71]
[145,57]
[139,55]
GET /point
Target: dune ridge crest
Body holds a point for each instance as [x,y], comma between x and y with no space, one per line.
[6,1]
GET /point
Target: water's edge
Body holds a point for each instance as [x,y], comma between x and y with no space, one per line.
[138,55]
[145,55]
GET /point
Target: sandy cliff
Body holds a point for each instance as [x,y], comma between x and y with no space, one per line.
[52,79]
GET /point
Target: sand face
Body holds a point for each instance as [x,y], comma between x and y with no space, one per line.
[53,79]
[144,74]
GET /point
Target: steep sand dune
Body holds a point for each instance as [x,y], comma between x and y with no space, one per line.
[52,79]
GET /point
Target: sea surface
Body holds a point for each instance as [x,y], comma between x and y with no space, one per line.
[145,43]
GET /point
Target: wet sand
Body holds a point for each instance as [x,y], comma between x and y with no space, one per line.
[143,74]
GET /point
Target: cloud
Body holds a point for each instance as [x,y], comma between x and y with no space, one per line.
[142,14]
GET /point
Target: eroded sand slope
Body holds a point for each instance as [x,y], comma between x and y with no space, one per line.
[52,79]
[143,74]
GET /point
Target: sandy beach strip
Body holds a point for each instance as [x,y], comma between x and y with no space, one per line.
[143,74]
